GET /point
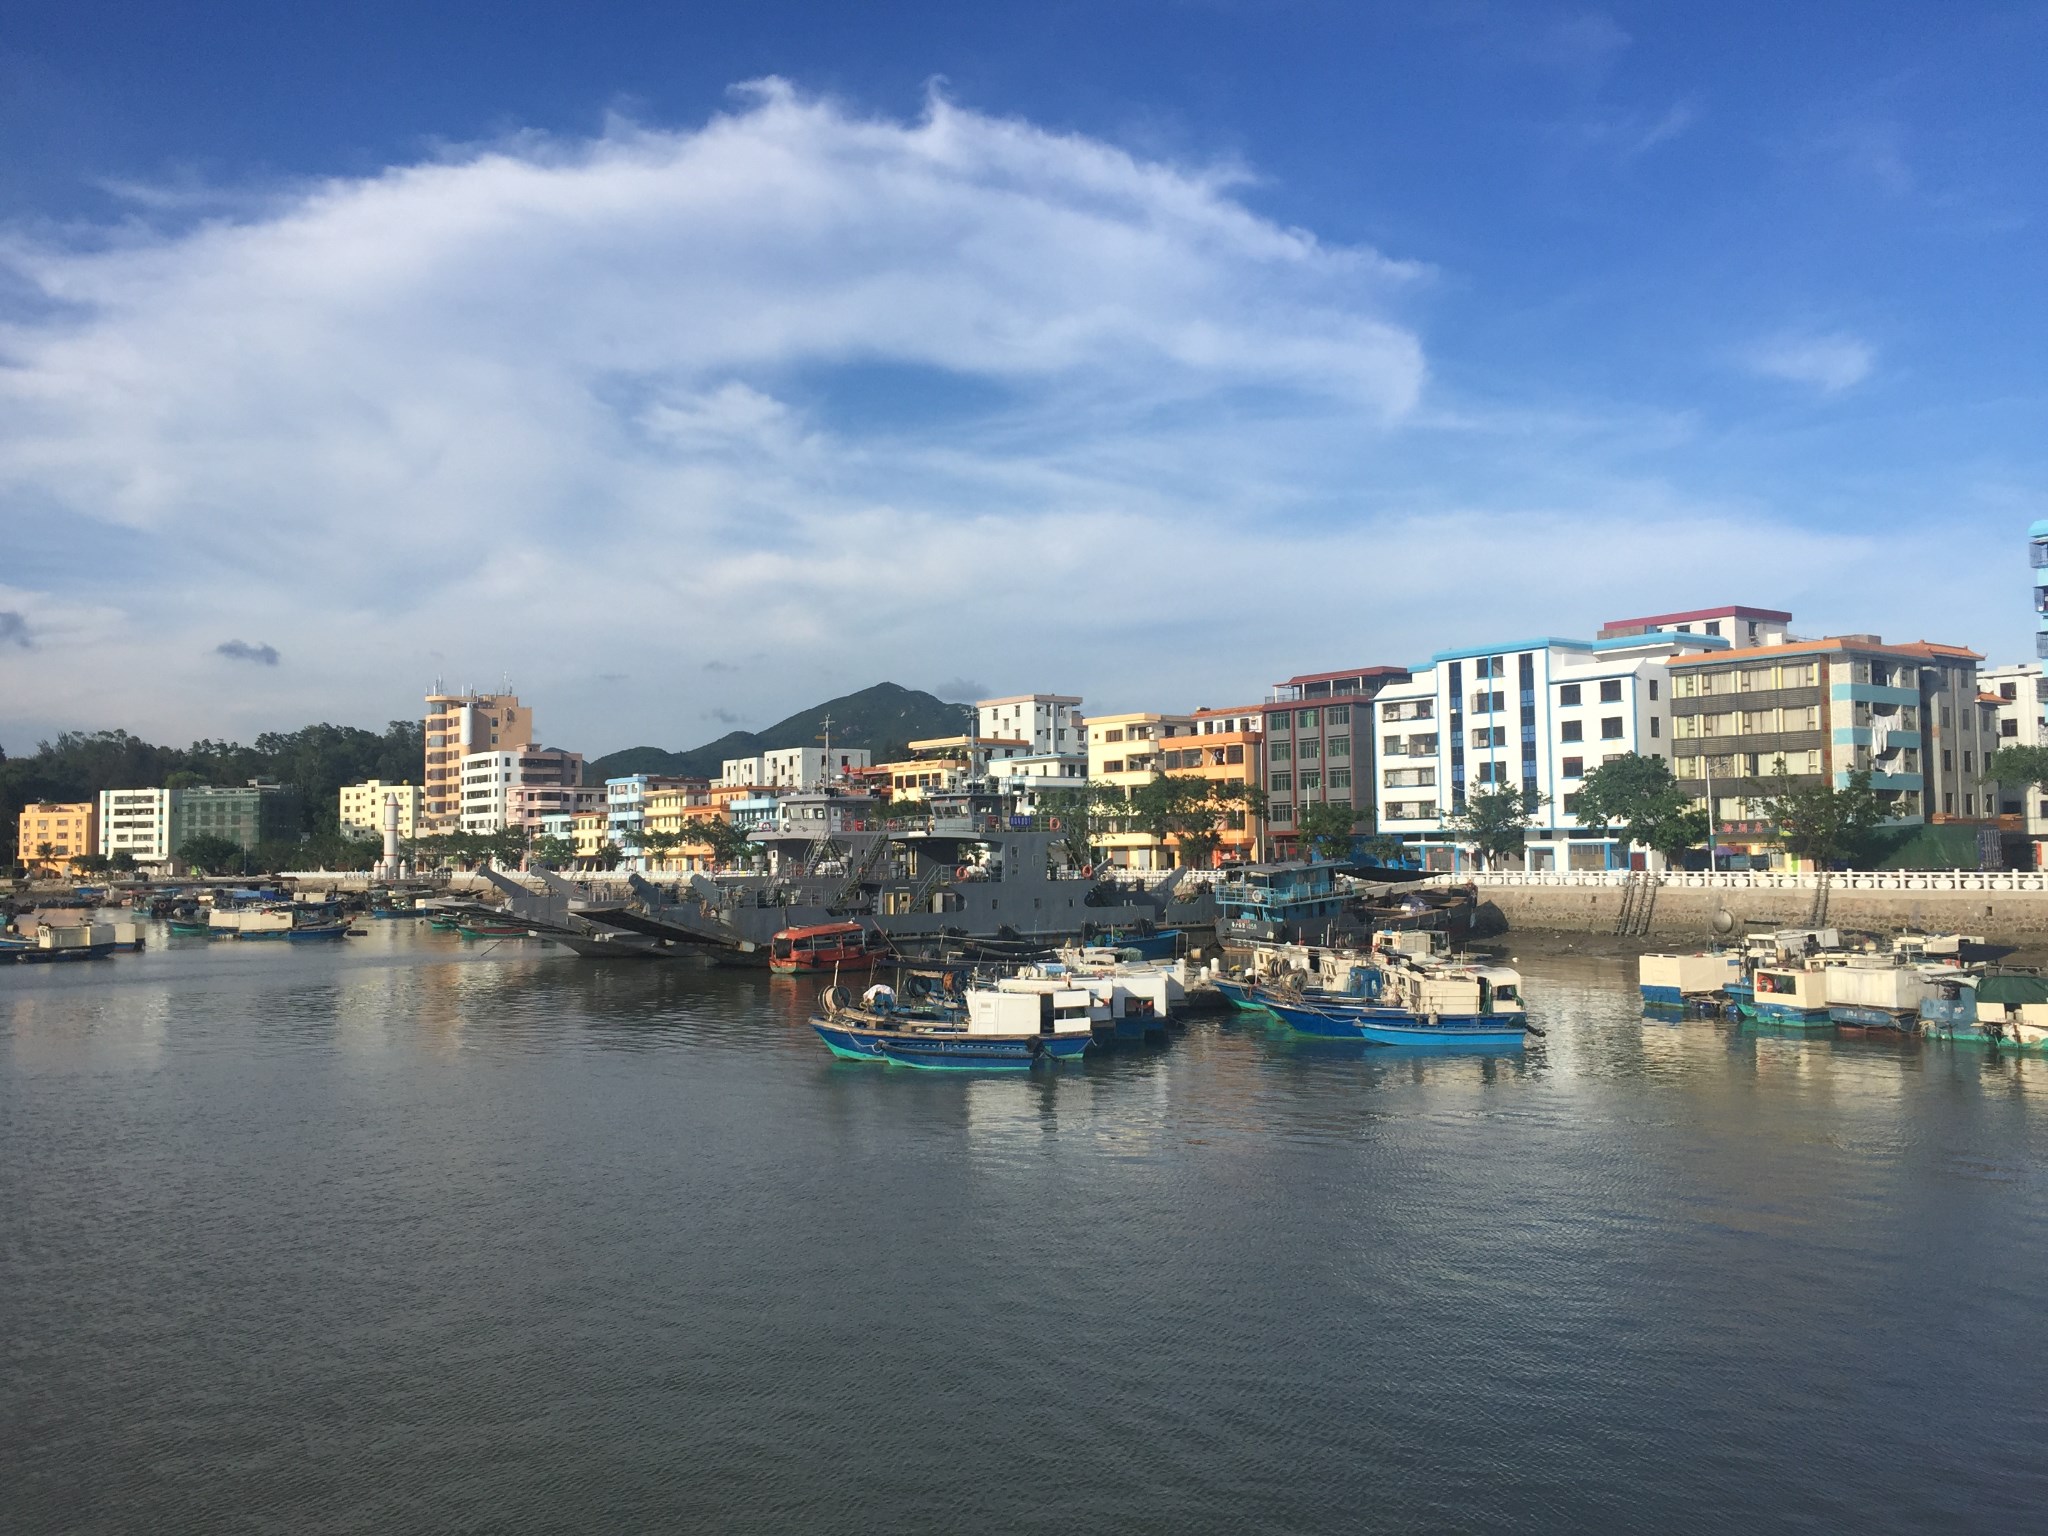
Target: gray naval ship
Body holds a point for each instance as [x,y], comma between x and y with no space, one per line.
[967,875]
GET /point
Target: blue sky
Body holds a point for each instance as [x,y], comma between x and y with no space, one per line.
[1151,352]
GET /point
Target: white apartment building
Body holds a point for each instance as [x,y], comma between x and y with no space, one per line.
[489,802]
[362,808]
[1535,716]
[2022,721]
[136,822]
[1050,723]
[809,767]
[734,772]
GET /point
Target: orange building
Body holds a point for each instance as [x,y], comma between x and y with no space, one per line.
[1222,745]
[51,836]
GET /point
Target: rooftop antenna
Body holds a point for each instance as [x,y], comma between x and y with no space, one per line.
[827,739]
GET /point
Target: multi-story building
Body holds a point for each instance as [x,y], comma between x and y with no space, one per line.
[625,800]
[1124,752]
[1224,746]
[2018,696]
[947,763]
[1318,742]
[1737,625]
[512,787]
[809,767]
[2037,556]
[458,724]
[260,811]
[680,809]
[591,832]
[1910,714]
[1535,716]
[1050,723]
[362,808]
[136,822]
[52,836]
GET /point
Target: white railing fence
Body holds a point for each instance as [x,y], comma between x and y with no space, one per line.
[1990,882]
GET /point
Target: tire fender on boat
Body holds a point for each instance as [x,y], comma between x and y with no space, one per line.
[836,999]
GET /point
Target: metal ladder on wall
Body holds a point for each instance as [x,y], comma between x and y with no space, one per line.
[861,875]
[1818,917]
[1638,903]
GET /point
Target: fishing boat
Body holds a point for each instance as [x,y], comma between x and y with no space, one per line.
[1679,981]
[1162,944]
[1411,1002]
[193,927]
[1995,1010]
[1866,995]
[826,947]
[330,929]
[1790,998]
[1002,1030]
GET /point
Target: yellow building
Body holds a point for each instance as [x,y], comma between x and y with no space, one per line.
[1125,751]
[677,810]
[594,836]
[51,836]
[362,808]
[456,725]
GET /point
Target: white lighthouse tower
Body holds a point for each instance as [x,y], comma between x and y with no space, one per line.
[387,867]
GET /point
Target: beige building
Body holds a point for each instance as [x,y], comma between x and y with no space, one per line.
[362,808]
[1126,751]
[458,724]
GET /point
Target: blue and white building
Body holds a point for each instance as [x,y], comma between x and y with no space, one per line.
[2037,554]
[1533,715]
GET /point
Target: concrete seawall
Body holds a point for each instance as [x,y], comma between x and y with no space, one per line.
[2008,917]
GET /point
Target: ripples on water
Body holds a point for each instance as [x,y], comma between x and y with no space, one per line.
[418,1235]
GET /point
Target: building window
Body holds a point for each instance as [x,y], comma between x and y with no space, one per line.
[1610,728]
[1305,719]
[1116,735]
[1114,765]
[1283,782]
[1656,726]
[1969,759]
[1280,751]
[1340,746]
[1653,690]
[1610,691]
[1310,779]
[1571,730]
[2008,727]
[1337,714]
[1311,748]
[1280,810]
[1340,778]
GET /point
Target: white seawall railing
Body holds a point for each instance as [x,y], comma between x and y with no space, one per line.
[1992,881]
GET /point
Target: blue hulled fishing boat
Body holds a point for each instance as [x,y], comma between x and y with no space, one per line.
[1013,1026]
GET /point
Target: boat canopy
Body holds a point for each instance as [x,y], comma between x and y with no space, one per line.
[2013,991]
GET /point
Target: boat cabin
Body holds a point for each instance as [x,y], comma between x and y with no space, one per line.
[824,945]
[1050,1005]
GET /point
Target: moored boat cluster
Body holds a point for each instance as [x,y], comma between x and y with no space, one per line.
[1808,979]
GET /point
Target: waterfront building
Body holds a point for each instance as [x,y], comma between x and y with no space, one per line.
[1737,625]
[2037,556]
[1535,716]
[52,835]
[1050,723]
[1319,743]
[458,724]
[946,763]
[362,808]
[528,805]
[1124,752]
[2018,697]
[136,822]
[1224,746]
[501,787]
[810,767]
[680,809]
[625,799]
[591,832]
[261,811]
[1031,774]
[741,772]
[1909,713]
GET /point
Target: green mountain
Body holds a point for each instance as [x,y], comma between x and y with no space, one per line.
[883,719]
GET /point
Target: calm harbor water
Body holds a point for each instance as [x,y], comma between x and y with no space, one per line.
[409,1234]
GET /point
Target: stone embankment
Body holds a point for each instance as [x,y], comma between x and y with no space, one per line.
[2009,908]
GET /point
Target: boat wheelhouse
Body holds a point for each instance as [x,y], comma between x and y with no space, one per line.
[1795,998]
[1671,981]
[1294,902]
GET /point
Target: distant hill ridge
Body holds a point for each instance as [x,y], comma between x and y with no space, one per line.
[884,719]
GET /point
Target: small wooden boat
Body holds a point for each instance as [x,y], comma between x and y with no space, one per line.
[490,930]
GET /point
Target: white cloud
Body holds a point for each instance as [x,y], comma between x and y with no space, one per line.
[1829,363]
[755,413]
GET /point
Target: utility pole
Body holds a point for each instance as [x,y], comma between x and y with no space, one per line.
[827,739]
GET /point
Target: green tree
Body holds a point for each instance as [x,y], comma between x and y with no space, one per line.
[1080,809]
[729,844]
[1325,829]
[1817,821]
[2020,767]
[1495,821]
[553,851]
[657,845]
[1638,795]
[91,863]
[213,855]
[121,862]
